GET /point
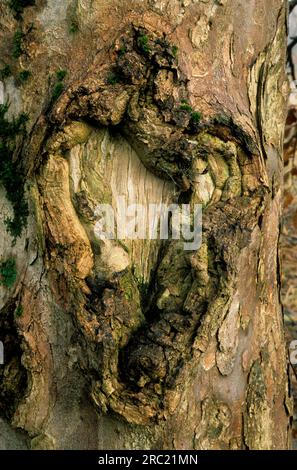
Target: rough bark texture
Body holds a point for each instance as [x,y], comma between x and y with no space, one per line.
[142,344]
[289,225]
[288,247]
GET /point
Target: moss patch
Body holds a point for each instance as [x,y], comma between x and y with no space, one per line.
[10,176]
[143,43]
[24,75]
[59,85]
[5,72]
[19,311]
[18,6]
[8,273]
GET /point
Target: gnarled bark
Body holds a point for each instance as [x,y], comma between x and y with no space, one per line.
[142,344]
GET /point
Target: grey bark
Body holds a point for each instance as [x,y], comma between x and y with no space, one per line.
[147,346]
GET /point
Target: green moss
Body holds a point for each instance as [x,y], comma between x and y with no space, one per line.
[13,127]
[196,117]
[17,45]
[143,290]
[24,75]
[57,91]
[72,17]
[142,286]
[61,74]
[10,176]
[112,78]
[174,50]
[5,72]
[73,27]
[222,119]
[18,6]
[126,284]
[186,107]
[122,50]
[215,432]
[8,273]
[59,85]
[19,311]
[142,43]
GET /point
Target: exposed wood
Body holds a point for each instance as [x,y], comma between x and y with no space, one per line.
[143,344]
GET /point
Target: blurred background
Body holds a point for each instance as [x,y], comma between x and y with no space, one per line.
[289,228]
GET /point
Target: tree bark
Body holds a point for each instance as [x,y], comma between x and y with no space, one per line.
[142,344]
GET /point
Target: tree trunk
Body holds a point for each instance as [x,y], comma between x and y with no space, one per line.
[140,343]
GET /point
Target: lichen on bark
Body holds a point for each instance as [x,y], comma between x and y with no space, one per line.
[164,338]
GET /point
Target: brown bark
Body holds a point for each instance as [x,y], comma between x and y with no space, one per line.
[146,345]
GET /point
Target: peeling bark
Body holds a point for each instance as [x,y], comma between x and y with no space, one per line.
[142,344]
